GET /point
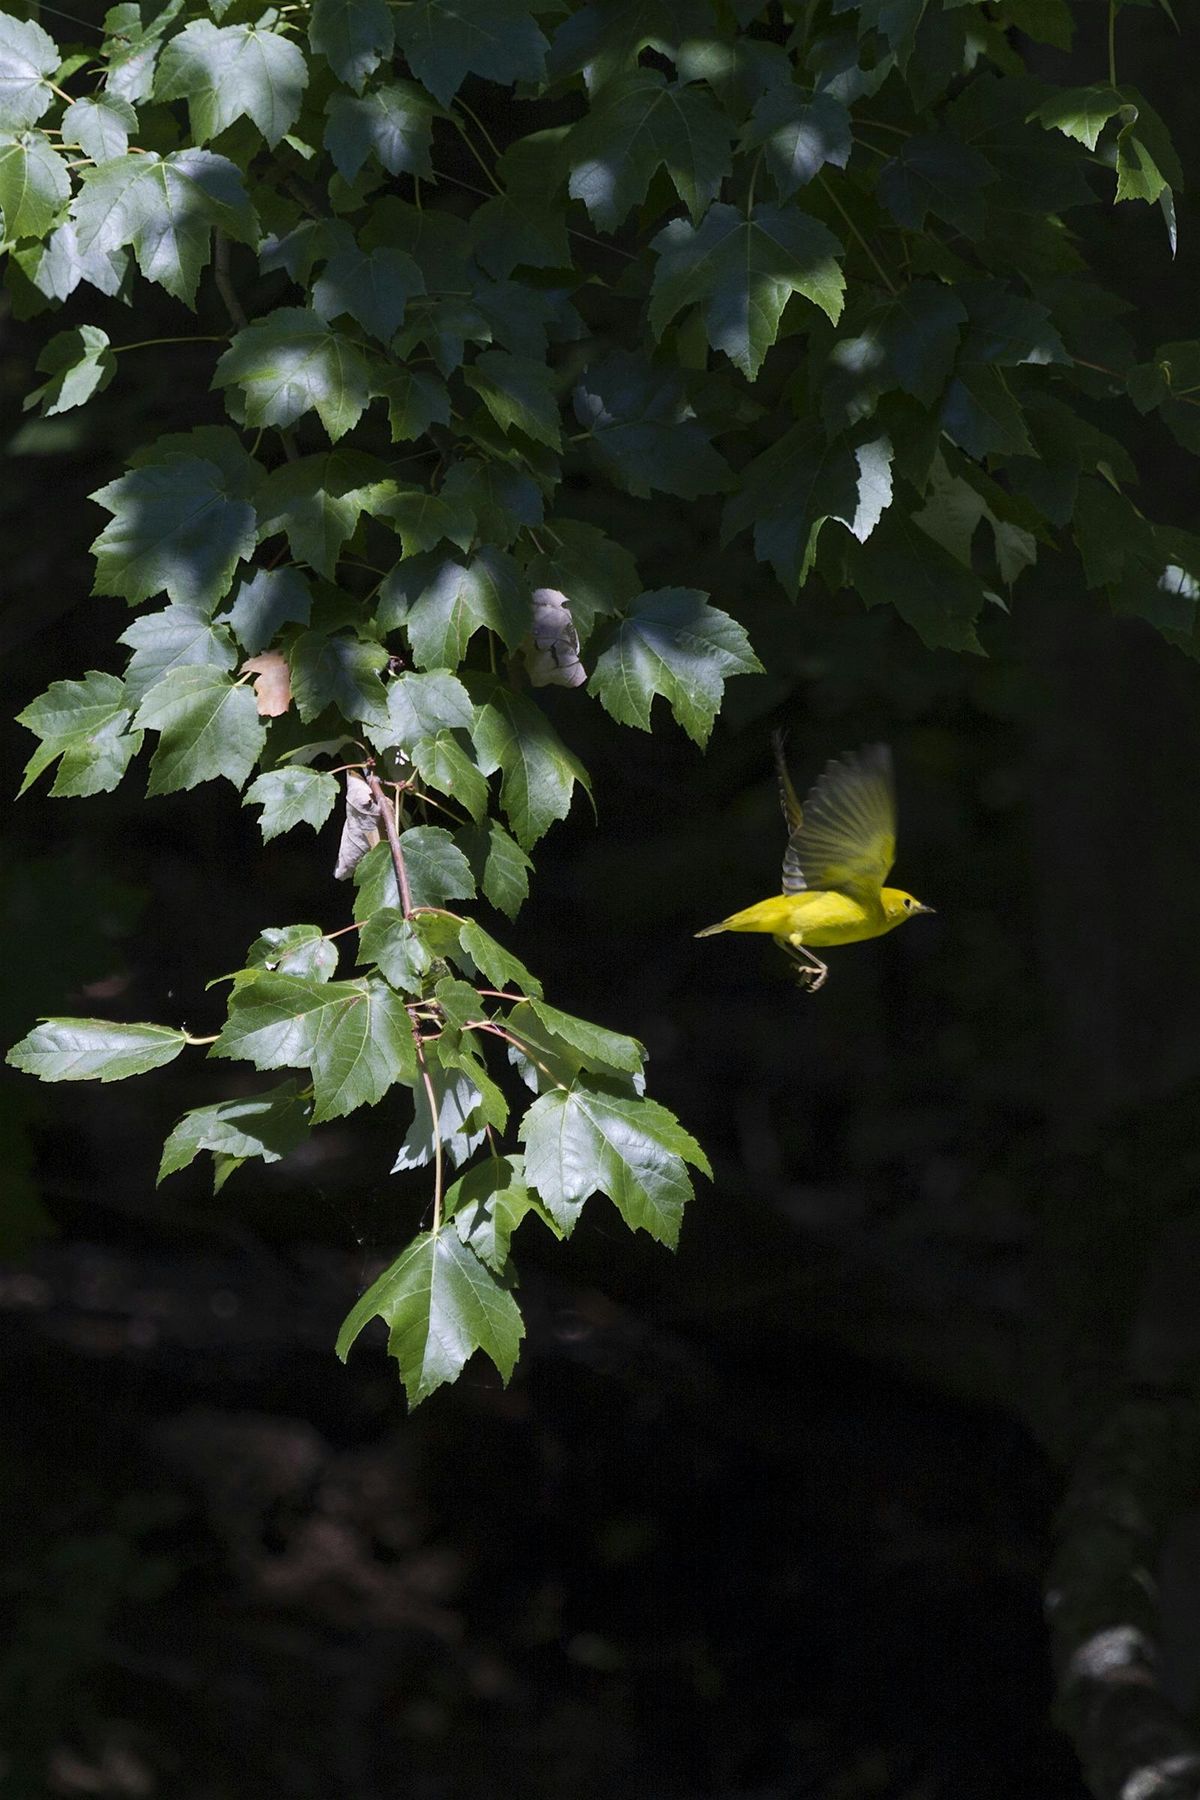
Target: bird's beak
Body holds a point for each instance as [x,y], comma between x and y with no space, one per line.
[928,909]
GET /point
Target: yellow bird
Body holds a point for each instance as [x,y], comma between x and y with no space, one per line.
[840,850]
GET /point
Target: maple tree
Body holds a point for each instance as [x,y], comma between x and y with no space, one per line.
[853,313]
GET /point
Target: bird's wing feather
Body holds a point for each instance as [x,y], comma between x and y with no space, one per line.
[846,839]
[789,799]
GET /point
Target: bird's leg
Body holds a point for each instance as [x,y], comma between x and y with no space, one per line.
[810,971]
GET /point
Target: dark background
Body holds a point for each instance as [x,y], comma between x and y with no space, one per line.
[767,1518]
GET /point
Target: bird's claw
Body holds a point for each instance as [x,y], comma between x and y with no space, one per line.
[811,979]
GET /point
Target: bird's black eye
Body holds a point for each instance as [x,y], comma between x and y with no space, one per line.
[908,906]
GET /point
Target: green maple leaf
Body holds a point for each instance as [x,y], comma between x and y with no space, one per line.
[798,134]
[741,272]
[419,706]
[908,340]
[218,444]
[605,38]
[1006,328]
[444,41]
[265,1125]
[460,1120]
[517,392]
[1147,166]
[291,796]
[982,416]
[94,1050]
[524,225]
[292,362]
[175,526]
[673,643]
[440,1304]
[208,726]
[374,287]
[637,125]
[84,725]
[131,47]
[1080,113]
[270,599]
[57,266]
[166,208]
[790,490]
[597,573]
[643,430]
[537,772]
[596,1048]
[290,950]
[317,501]
[393,123]
[178,637]
[340,670]
[498,864]
[545,1060]
[353,1036]
[421,519]
[34,184]
[500,497]
[955,504]
[233,71]
[488,1203]
[437,870]
[900,566]
[442,603]
[494,962]
[27,55]
[444,765]
[79,364]
[354,37]
[416,399]
[594,1138]
[100,124]
[396,946]
[937,174]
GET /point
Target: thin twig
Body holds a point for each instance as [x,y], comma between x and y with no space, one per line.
[465,135]
[150,343]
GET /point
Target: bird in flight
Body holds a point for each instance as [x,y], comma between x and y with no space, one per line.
[840,849]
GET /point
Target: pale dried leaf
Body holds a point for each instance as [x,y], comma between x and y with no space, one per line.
[272,682]
[360,831]
[552,649]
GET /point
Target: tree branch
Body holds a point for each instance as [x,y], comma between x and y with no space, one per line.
[1101,1601]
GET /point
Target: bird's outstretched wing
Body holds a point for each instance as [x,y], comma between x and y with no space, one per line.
[846,836]
[789,799]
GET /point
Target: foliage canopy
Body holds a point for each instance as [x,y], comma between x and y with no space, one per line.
[817,261]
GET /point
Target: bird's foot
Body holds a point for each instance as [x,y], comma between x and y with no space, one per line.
[810,978]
